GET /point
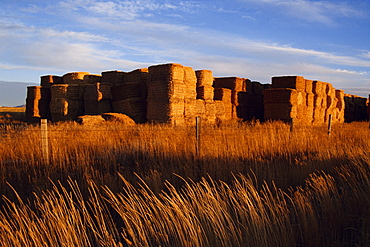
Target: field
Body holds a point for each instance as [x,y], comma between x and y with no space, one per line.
[252,184]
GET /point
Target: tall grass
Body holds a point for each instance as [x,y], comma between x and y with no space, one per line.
[252,185]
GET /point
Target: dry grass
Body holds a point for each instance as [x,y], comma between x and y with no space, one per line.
[299,188]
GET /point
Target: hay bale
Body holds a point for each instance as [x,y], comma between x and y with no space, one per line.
[232,83]
[48,80]
[319,115]
[119,118]
[205,92]
[308,86]
[32,109]
[294,82]
[59,106]
[204,78]
[190,83]
[166,72]
[318,88]
[223,94]
[90,120]
[310,100]
[136,76]
[133,107]
[34,92]
[126,91]
[114,77]
[281,95]
[67,91]
[281,111]
[75,78]
[200,107]
[92,79]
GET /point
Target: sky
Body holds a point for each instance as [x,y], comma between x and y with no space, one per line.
[256,39]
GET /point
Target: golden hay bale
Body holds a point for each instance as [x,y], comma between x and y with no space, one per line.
[200,107]
[223,94]
[166,72]
[136,76]
[118,117]
[280,95]
[59,91]
[113,77]
[75,78]
[59,106]
[190,83]
[126,91]
[204,78]
[48,80]
[294,82]
[318,88]
[32,108]
[310,100]
[308,86]
[90,120]
[319,115]
[232,83]
[205,92]
[190,108]
[134,107]
[282,111]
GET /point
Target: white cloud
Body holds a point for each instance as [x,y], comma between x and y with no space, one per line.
[311,11]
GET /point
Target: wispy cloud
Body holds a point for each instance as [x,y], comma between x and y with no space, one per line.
[310,11]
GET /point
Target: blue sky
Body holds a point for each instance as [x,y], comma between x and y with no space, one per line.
[255,39]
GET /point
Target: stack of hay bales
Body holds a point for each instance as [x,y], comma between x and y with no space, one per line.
[44,104]
[287,99]
[129,97]
[236,85]
[320,104]
[32,103]
[355,108]
[166,94]
[190,95]
[338,114]
[66,103]
[205,104]
[223,104]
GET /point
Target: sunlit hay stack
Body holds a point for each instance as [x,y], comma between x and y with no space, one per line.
[190,95]
[280,104]
[299,106]
[166,94]
[114,77]
[318,88]
[204,84]
[98,98]
[222,104]
[76,78]
[66,103]
[236,85]
[331,102]
[130,97]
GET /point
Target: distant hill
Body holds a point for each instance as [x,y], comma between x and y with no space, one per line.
[14,93]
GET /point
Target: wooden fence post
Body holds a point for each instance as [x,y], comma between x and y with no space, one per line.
[197,133]
[329,124]
[44,140]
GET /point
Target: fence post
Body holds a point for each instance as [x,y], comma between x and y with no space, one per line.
[329,124]
[44,140]
[197,133]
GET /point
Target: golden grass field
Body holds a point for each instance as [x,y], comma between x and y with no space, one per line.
[253,184]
